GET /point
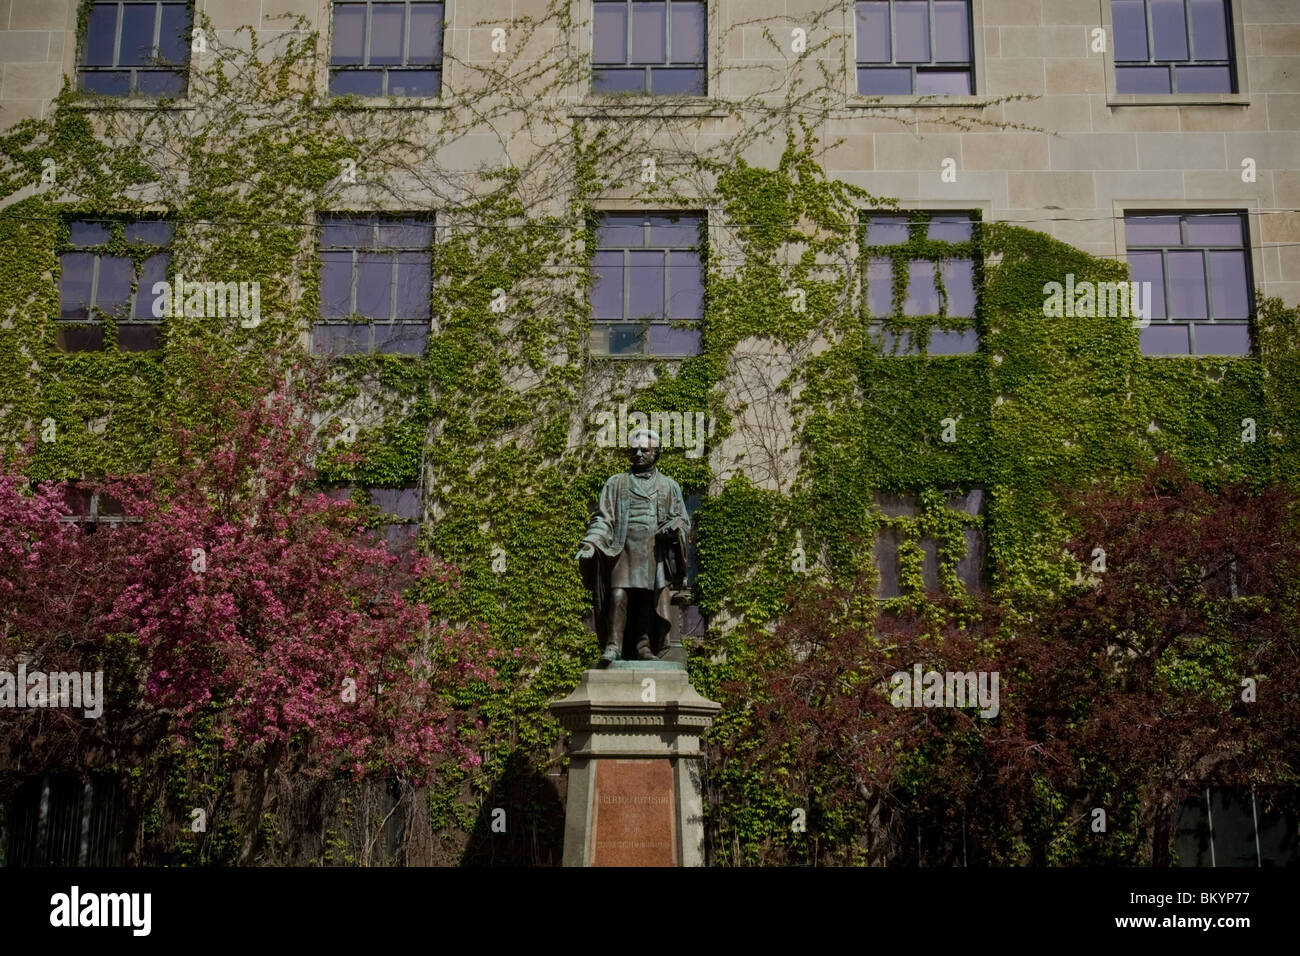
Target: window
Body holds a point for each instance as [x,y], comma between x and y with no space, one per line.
[105,281]
[403,508]
[1172,46]
[648,46]
[648,293]
[135,48]
[901,513]
[93,508]
[921,265]
[914,46]
[1225,827]
[387,49]
[375,285]
[1200,281]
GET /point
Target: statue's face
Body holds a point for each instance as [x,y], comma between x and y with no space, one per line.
[642,453]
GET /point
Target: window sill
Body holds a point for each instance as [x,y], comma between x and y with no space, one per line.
[101,103]
[860,101]
[1177,99]
[387,103]
[641,105]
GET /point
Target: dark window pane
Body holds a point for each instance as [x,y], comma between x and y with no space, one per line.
[922,295]
[414,82]
[160,82]
[645,284]
[609,33]
[426,33]
[150,232]
[374,285]
[620,231]
[950,228]
[82,234]
[886,230]
[970,569]
[911,31]
[401,502]
[1203,79]
[347,233]
[1147,267]
[357,83]
[624,340]
[1209,29]
[107,82]
[414,280]
[943,82]
[335,284]
[686,282]
[80,338]
[153,271]
[1142,79]
[666,340]
[685,231]
[139,338]
[873,32]
[885,557]
[675,81]
[401,538]
[1214,229]
[341,339]
[101,34]
[607,287]
[965,342]
[648,33]
[1228,282]
[1129,25]
[895,343]
[1226,339]
[618,81]
[882,82]
[387,21]
[880,291]
[174,34]
[951,31]
[687,33]
[114,290]
[1164,339]
[400,338]
[349,34]
[1152,231]
[74,284]
[137,35]
[1169,29]
[407,234]
[1186,285]
[959,283]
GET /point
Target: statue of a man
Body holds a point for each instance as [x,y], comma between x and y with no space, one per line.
[634,554]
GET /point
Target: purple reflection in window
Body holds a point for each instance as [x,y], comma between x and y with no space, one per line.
[951,31]
[911,31]
[687,33]
[664,231]
[101,34]
[357,83]
[922,294]
[1129,27]
[346,233]
[174,33]
[1142,79]
[618,81]
[1147,267]
[341,339]
[1152,231]
[414,82]
[387,22]
[1214,229]
[426,33]
[880,291]
[349,33]
[107,82]
[884,82]
[160,82]
[607,288]
[400,502]
[943,82]
[873,32]
[1164,340]
[76,271]
[648,33]
[1169,29]
[686,281]
[400,338]
[114,289]
[965,342]
[950,228]
[153,271]
[1203,79]
[1213,339]
[405,234]
[1186,285]
[374,285]
[137,35]
[609,33]
[83,234]
[886,230]
[671,81]
[1229,286]
[618,230]
[645,277]
[414,285]
[153,232]
[1209,29]
[335,284]
[959,283]
[666,340]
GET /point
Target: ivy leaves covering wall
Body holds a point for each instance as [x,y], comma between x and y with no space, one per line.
[494,421]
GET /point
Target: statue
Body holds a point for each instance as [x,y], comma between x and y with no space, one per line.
[634,555]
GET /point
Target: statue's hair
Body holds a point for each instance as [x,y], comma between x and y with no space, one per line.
[653,435]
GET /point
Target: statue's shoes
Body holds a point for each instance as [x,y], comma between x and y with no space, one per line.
[610,655]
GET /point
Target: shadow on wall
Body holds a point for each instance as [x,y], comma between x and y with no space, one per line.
[521,822]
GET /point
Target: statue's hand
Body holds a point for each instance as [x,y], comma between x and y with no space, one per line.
[588,550]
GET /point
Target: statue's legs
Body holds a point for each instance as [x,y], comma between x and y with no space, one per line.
[617,624]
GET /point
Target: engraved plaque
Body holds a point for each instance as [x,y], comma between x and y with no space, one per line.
[633,817]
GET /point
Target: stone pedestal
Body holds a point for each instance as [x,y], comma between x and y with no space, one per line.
[635,794]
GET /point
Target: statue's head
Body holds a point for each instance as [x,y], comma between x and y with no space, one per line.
[643,449]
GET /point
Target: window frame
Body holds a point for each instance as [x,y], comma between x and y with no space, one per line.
[869,101]
[1247,250]
[645,324]
[933,65]
[637,99]
[81,68]
[1236,50]
[375,220]
[1189,34]
[330,69]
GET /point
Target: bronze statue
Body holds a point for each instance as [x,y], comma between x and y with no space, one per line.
[634,555]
